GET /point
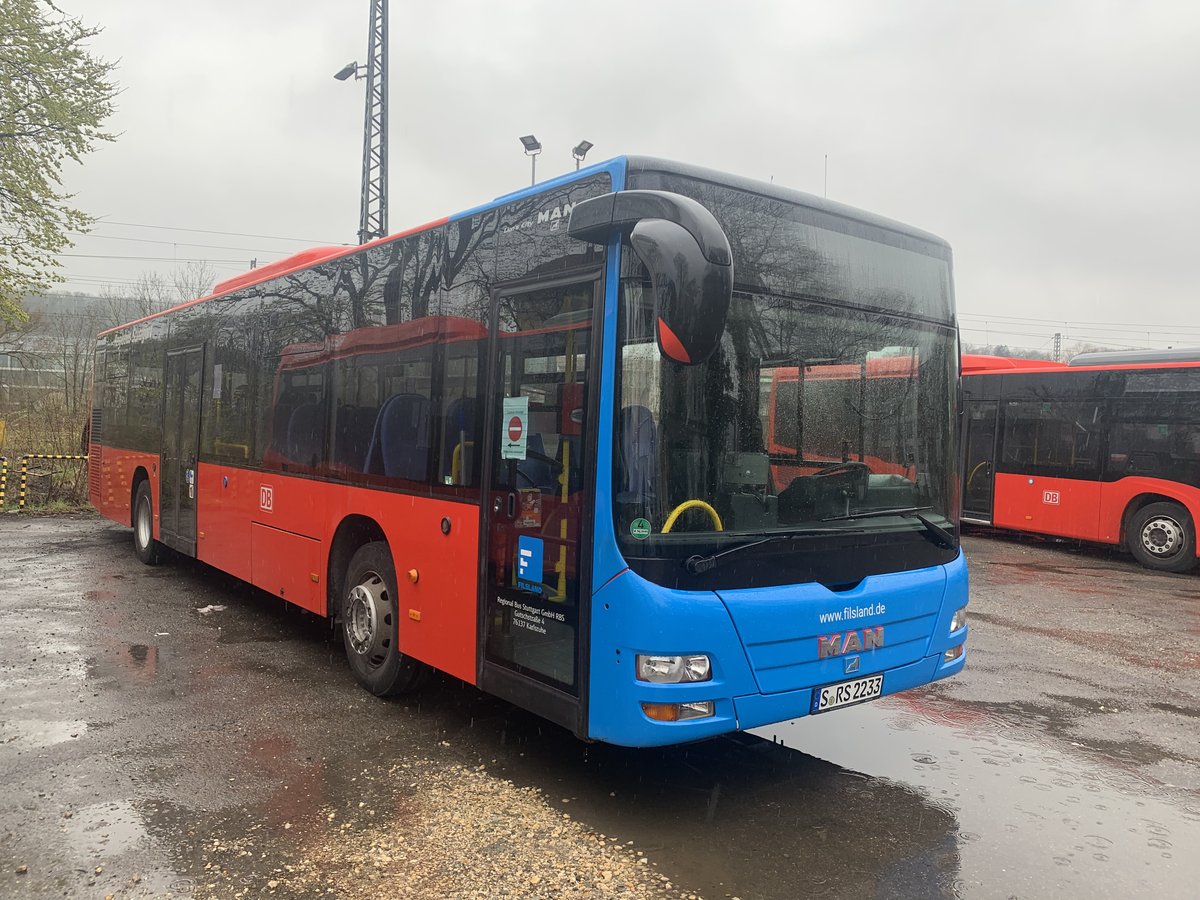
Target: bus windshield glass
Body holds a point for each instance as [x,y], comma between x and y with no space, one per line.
[832,399]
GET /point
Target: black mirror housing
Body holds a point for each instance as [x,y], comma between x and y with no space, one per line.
[688,257]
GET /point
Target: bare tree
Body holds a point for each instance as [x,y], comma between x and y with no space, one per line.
[196,279]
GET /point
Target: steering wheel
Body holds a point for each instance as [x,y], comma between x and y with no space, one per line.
[684,507]
[849,465]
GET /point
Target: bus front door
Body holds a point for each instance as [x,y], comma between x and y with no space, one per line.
[534,593]
[980,469]
[180,448]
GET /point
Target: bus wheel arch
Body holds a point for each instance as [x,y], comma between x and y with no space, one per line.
[353,531]
[141,518]
[1160,533]
[364,606]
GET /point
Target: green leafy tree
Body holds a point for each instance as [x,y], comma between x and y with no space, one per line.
[54,97]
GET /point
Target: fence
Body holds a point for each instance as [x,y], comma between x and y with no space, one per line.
[23,488]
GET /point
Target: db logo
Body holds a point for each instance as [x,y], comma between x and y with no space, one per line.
[1050,498]
[266,497]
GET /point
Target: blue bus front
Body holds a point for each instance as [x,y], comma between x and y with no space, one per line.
[776,525]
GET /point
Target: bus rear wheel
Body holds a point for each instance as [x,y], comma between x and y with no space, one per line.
[1162,536]
[148,550]
[371,623]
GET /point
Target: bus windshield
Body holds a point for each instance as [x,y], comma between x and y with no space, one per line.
[831,395]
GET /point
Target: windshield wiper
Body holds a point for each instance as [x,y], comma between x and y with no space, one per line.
[939,534]
[698,564]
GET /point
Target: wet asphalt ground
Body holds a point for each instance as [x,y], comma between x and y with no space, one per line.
[149,750]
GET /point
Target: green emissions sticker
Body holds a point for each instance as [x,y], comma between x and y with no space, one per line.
[640,529]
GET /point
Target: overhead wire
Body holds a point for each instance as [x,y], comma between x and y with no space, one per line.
[270,237]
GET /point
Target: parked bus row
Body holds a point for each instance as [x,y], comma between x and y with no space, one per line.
[652,451]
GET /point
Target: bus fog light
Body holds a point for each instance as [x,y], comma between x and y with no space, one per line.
[953,653]
[673,669]
[959,620]
[678,712]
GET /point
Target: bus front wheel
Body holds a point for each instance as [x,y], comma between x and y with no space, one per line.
[371,623]
[1162,536]
[148,550]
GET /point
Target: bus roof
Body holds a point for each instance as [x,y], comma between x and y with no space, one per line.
[976,364]
[640,164]
[617,167]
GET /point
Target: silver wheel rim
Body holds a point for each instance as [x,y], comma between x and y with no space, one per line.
[1162,536]
[142,527]
[369,620]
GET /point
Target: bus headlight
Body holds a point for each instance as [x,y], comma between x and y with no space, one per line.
[673,669]
[959,620]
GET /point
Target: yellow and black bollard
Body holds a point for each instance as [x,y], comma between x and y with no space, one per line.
[24,483]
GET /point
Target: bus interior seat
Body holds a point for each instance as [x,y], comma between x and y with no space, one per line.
[400,443]
[637,455]
[304,434]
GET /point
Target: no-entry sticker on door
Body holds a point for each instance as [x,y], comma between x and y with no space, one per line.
[514,427]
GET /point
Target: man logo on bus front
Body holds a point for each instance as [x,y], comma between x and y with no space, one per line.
[851,642]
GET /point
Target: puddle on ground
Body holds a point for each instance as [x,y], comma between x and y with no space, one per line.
[37,734]
[1033,820]
[135,663]
[104,829]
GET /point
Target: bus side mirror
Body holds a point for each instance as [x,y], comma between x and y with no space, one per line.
[688,257]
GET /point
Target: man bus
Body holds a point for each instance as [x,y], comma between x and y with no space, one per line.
[524,446]
[1105,449]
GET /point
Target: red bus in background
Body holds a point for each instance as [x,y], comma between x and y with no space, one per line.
[829,411]
[1104,449]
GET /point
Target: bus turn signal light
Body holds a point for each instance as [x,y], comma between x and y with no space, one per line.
[677,712]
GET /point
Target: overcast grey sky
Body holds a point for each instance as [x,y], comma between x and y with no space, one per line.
[1055,145]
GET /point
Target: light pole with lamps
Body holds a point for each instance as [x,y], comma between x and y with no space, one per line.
[532,148]
[579,151]
[372,219]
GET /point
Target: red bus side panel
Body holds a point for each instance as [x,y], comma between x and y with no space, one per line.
[289,566]
[1063,507]
[116,481]
[268,528]
[1115,497]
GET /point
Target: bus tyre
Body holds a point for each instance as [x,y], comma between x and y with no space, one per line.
[371,623]
[1162,536]
[148,550]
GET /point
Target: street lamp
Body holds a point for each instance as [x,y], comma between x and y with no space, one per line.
[579,151]
[350,68]
[532,148]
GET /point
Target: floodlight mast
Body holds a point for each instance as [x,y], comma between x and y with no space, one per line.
[579,151]
[532,148]
[372,220]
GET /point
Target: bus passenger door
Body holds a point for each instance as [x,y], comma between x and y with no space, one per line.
[180,448]
[535,499]
[980,469]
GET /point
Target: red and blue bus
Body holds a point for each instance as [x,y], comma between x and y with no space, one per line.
[536,446]
[1105,449]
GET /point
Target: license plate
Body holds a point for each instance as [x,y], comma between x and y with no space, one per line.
[847,692]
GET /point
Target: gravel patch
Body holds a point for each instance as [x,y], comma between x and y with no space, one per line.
[439,831]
